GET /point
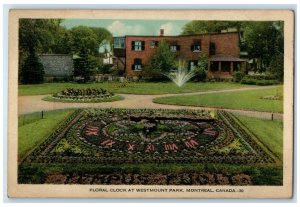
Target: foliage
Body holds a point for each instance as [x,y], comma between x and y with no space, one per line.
[83,38]
[201,69]
[262,80]
[251,81]
[175,174]
[84,66]
[37,34]
[32,70]
[162,61]
[276,66]
[238,76]
[202,27]
[263,41]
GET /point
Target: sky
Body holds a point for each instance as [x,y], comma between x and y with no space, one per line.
[131,27]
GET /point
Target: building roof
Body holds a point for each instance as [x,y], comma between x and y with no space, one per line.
[228,58]
[189,35]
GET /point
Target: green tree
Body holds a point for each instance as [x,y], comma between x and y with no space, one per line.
[102,34]
[32,71]
[63,42]
[35,36]
[85,66]
[201,27]
[161,62]
[264,41]
[84,38]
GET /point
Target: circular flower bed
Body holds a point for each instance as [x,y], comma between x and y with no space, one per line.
[83,95]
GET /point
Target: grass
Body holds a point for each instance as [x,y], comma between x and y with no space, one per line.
[269,132]
[92,100]
[129,88]
[33,129]
[245,100]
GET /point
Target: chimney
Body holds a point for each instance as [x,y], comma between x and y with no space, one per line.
[161,32]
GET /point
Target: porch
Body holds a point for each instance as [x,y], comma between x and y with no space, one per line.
[224,66]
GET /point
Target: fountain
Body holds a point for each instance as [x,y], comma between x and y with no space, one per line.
[181,75]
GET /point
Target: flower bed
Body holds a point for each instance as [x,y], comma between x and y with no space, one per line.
[83,95]
[150,136]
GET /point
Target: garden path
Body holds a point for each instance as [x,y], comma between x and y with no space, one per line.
[30,104]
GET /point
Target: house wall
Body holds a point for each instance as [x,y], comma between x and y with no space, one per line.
[56,65]
[226,43]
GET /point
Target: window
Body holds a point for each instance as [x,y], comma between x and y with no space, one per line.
[137,64]
[138,45]
[153,44]
[212,48]
[174,48]
[196,47]
[119,42]
[193,64]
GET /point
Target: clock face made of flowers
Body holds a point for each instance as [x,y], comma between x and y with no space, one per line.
[149,135]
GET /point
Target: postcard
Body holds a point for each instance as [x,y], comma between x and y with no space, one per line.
[150,104]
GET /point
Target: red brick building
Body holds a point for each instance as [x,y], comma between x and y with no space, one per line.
[133,52]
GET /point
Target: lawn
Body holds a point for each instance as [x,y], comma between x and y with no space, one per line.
[129,88]
[270,133]
[33,129]
[245,100]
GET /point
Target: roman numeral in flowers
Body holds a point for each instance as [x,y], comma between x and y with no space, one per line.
[150,147]
[191,143]
[171,147]
[92,130]
[209,131]
[108,143]
[130,147]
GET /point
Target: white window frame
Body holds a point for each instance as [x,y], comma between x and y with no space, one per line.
[173,48]
[195,48]
[137,45]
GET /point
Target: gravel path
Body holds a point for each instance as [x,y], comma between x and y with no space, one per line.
[30,104]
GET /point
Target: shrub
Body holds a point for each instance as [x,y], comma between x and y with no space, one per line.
[238,76]
[251,81]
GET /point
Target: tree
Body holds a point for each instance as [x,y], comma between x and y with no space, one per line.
[84,66]
[102,34]
[84,38]
[161,62]
[32,71]
[201,27]
[63,42]
[263,41]
[35,36]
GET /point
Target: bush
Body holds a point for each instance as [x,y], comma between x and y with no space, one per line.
[251,81]
[238,76]
[261,80]
[200,75]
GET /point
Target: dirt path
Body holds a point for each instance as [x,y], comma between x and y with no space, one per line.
[29,104]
